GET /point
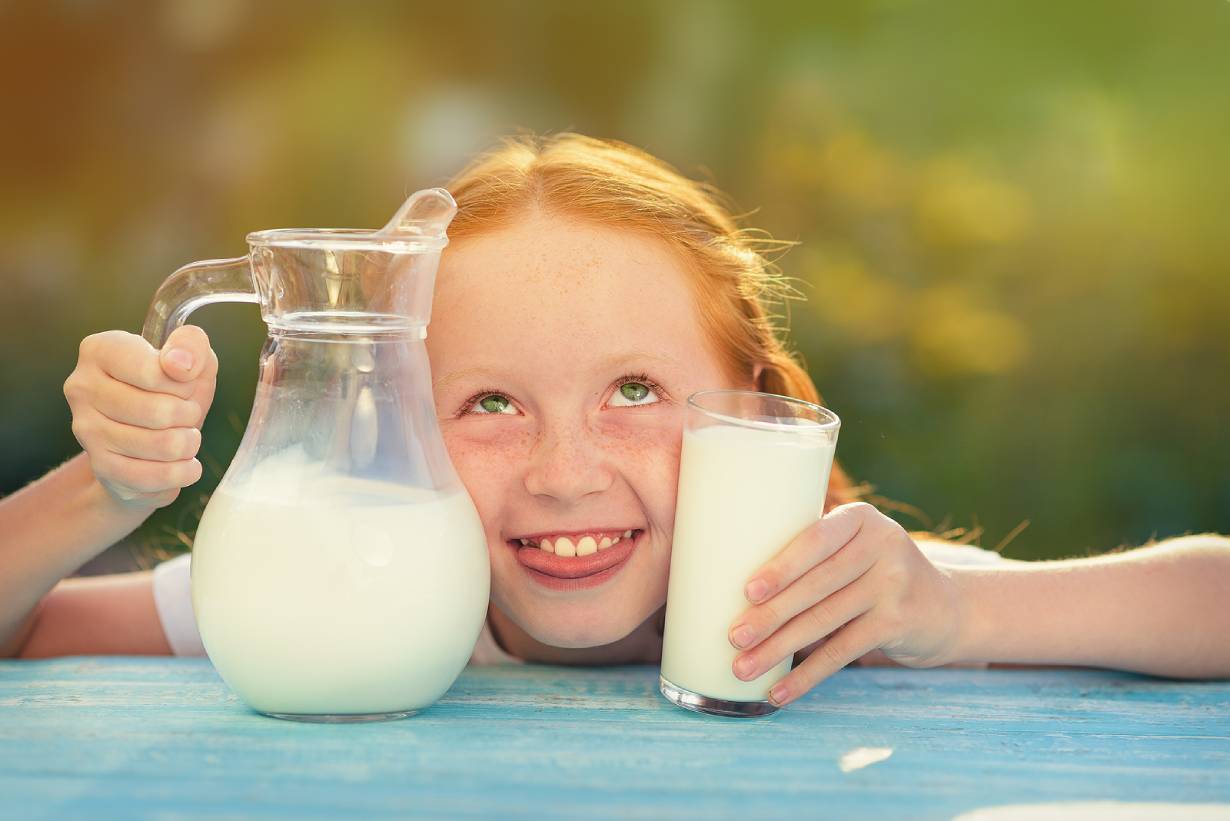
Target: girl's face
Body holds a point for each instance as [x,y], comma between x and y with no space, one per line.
[563,353]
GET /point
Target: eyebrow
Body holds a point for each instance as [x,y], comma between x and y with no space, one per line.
[618,361]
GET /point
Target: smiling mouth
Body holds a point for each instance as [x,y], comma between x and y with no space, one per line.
[576,545]
[579,558]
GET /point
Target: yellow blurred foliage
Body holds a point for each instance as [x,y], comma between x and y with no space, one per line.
[854,167]
[988,200]
[956,205]
[859,304]
[946,329]
[954,335]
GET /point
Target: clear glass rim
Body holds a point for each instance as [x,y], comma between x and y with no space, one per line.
[827,422]
[347,239]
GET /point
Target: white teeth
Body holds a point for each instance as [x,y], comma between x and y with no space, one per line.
[564,546]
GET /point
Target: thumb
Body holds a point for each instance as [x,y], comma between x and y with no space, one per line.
[185,354]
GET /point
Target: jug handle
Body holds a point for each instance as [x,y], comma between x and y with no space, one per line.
[191,287]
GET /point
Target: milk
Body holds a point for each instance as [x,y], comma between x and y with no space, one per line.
[744,493]
[317,593]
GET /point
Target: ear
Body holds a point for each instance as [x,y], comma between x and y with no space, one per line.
[756,372]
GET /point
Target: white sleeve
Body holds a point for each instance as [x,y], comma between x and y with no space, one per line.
[962,554]
[173,600]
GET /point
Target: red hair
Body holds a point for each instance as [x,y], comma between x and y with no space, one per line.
[617,184]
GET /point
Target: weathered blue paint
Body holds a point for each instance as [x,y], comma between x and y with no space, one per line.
[140,737]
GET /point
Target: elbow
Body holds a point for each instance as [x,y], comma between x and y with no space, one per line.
[14,644]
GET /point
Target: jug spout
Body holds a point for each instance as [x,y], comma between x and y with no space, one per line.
[424,213]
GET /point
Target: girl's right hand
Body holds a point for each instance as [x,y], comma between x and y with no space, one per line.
[137,412]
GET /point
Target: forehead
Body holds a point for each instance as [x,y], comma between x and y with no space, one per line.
[557,287]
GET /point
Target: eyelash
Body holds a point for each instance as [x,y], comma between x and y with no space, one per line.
[640,378]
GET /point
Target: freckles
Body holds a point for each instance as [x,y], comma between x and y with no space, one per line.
[641,441]
[668,478]
[486,459]
[485,440]
[667,448]
[648,455]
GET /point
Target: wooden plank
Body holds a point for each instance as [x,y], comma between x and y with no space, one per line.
[141,737]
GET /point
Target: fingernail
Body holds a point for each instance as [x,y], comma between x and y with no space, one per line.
[778,694]
[181,358]
[756,590]
[744,666]
[742,635]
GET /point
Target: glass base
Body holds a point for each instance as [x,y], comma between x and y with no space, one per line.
[344,718]
[714,706]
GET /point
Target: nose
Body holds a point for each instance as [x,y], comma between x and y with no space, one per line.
[566,464]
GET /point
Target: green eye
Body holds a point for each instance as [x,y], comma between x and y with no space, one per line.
[634,391]
[494,403]
[634,394]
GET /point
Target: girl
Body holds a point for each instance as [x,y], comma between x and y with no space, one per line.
[588,290]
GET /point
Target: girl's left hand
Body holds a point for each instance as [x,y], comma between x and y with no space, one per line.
[852,582]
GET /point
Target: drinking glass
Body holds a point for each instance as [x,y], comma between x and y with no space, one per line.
[753,474]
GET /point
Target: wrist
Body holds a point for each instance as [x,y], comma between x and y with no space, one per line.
[94,503]
[105,505]
[971,620]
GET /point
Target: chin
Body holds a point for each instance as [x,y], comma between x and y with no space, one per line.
[583,618]
[594,626]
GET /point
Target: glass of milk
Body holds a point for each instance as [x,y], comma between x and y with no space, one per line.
[753,474]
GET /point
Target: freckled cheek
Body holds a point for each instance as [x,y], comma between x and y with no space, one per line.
[487,464]
[649,459]
[666,482]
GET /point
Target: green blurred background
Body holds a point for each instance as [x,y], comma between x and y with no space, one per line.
[1010,213]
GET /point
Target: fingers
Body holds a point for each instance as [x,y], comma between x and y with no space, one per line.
[130,478]
[128,358]
[811,547]
[854,640]
[120,402]
[187,355]
[814,623]
[138,465]
[137,411]
[167,445]
[135,498]
[837,571]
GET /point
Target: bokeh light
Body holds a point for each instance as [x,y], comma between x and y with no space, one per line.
[1009,216]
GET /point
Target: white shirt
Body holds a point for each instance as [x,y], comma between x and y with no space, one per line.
[173,600]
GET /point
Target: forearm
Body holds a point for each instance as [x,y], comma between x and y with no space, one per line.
[48,530]
[1163,610]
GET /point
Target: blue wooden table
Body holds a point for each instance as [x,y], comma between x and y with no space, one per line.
[139,737]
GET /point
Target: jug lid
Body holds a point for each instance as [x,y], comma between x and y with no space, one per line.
[419,225]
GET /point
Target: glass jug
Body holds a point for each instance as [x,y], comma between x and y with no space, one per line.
[340,570]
